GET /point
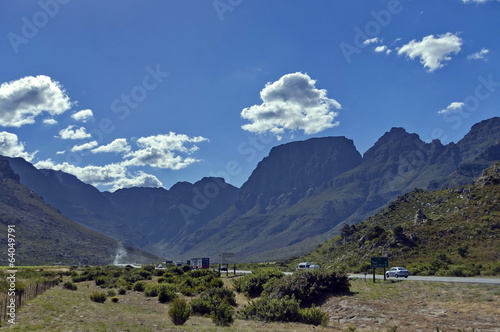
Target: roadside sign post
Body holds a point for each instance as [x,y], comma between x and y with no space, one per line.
[379,262]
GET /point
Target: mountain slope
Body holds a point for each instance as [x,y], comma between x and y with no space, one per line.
[448,232]
[43,236]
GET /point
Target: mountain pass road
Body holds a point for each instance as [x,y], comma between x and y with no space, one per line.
[493,281]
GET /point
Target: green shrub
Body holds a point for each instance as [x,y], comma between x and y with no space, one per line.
[111,292]
[139,286]
[151,290]
[166,293]
[69,285]
[210,299]
[98,296]
[267,309]
[313,316]
[114,299]
[200,306]
[179,311]
[223,314]
[122,291]
[161,279]
[253,284]
[309,286]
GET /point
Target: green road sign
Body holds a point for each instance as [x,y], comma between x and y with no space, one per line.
[377,262]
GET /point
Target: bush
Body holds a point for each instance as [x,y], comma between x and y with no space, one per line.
[223,314]
[253,284]
[179,311]
[122,291]
[151,290]
[98,296]
[273,310]
[111,292]
[69,285]
[313,316]
[166,293]
[211,299]
[200,306]
[114,299]
[139,286]
[309,286]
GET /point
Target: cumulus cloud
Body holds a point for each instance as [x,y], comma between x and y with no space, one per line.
[381,48]
[50,121]
[452,108]
[83,115]
[85,146]
[432,51]
[10,146]
[113,175]
[23,100]
[73,132]
[119,145]
[139,179]
[371,41]
[293,102]
[162,151]
[481,55]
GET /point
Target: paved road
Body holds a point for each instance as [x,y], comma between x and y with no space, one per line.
[491,281]
[494,281]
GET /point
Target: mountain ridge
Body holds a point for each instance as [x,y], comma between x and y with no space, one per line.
[299,195]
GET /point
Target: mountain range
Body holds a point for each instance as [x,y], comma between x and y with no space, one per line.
[297,197]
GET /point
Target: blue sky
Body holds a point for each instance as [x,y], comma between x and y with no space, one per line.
[149,93]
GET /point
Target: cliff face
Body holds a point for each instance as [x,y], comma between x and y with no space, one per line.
[292,171]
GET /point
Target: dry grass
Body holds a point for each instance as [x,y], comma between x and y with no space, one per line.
[407,305]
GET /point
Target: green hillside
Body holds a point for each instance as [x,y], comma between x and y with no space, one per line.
[454,232]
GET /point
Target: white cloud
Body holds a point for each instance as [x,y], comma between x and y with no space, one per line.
[50,121]
[119,145]
[83,115]
[10,146]
[113,175]
[23,100]
[433,52]
[452,108]
[139,179]
[162,151]
[481,55]
[85,146]
[381,48]
[371,41]
[73,132]
[294,103]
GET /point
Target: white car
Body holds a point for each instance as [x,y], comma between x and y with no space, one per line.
[307,266]
[397,272]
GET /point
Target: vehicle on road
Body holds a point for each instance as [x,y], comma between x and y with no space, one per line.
[223,268]
[397,272]
[307,266]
